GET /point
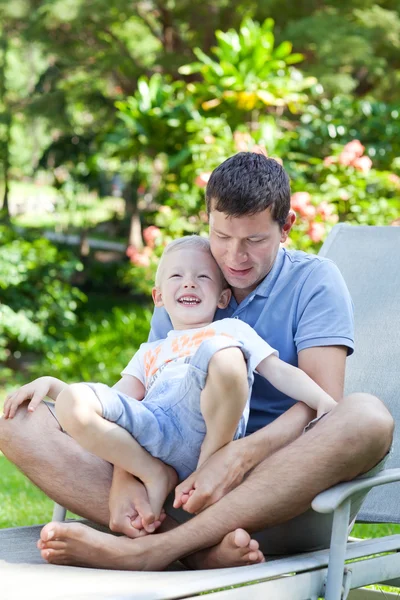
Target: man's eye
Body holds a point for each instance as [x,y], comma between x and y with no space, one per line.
[255,241]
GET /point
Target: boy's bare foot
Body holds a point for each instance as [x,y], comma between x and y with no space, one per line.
[145,519]
[81,546]
[235,550]
[159,483]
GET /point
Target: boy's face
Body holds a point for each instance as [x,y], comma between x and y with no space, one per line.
[190,288]
[245,247]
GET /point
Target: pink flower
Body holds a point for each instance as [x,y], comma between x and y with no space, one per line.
[325,209]
[202,179]
[363,163]
[242,141]
[316,232]
[309,212]
[355,148]
[352,155]
[150,235]
[300,202]
[137,258]
[346,158]
[329,160]
[260,150]
[393,178]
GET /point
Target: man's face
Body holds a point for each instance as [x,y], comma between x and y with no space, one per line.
[246,247]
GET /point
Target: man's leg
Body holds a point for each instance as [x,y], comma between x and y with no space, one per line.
[353,438]
[59,466]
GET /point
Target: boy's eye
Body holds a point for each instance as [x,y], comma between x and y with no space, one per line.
[175,275]
[204,275]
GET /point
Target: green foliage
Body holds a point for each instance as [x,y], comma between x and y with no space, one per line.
[249,72]
[343,119]
[99,348]
[37,300]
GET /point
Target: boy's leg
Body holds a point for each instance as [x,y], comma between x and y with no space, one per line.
[80,413]
[223,399]
[222,402]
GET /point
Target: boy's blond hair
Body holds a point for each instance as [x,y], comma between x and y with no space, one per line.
[188,241]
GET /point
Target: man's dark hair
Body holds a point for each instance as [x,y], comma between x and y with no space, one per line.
[248,183]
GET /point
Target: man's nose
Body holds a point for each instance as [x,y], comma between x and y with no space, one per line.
[237,254]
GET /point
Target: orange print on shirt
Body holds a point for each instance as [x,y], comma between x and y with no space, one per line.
[186,344]
[150,361]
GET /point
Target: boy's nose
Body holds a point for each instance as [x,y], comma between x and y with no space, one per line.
[189,284]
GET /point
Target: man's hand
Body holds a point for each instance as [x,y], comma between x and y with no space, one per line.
[220,474]
[128,503]
[35,391]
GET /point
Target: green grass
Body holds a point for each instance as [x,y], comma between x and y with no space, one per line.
[21,503]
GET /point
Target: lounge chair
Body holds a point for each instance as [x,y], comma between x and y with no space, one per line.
[369,258]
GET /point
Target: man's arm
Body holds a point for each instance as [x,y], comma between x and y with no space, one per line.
[326,366]
[296,384]
[226,469]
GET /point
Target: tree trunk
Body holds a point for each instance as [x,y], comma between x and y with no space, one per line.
[131,202]
[5,153]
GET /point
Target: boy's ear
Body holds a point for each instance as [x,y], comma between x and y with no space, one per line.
[224,298]
[157,297]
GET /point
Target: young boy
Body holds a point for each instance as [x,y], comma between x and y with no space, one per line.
[181,398]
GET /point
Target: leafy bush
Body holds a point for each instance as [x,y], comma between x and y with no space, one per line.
[99,347]
[37,300]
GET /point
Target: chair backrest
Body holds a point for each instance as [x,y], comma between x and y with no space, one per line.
[369,260]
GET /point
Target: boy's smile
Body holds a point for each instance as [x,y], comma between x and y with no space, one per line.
[190,288]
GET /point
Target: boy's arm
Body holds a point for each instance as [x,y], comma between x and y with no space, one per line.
[131,386]
[295,383]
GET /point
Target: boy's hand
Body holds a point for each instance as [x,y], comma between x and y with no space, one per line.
[35,391]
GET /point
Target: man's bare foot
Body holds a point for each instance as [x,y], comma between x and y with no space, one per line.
[80,545]
[159,483]
[235,550]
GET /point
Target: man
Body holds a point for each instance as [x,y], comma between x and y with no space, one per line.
[262,483]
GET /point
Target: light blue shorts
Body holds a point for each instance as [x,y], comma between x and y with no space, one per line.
[168,423]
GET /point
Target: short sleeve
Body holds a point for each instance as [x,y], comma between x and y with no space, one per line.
[135,367]
[324,315]
[160,325]
[257,347]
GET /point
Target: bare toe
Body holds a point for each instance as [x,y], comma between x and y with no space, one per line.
[241,538]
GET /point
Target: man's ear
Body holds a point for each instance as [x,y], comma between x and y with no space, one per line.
[157,297]
[224,298]
[288,226]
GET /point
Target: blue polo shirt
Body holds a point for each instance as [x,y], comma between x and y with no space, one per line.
[303,302]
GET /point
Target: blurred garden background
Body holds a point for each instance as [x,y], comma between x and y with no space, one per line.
[113,113]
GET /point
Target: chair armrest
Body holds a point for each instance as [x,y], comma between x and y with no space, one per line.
[329,500]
